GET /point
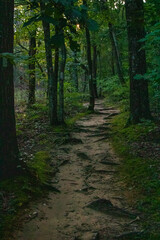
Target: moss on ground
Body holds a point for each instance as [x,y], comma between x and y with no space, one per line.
[39,166]
[140,174]
[17,192]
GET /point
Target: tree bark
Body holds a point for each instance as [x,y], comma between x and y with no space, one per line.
[56,64]
[52,83]
[61,83]
[8,141]
[89,58]
[32,63]
[85,82]
[100,73]
[95,71]
[117,55]
[139,100]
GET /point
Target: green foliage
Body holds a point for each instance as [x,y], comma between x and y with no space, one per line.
[115,92]
[133,132]
[36,111]
[8,57]
[73,100]
[92,25]
[139,173]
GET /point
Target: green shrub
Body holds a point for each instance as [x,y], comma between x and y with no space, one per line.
[73,100]
[114,91]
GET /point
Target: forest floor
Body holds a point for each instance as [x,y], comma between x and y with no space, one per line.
[91,203]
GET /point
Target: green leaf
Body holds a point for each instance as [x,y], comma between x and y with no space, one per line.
[92,25]
[32,20]
[49,19]
[57,40]
[73,45]
[9,56]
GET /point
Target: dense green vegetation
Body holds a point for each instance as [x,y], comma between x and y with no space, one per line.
[139,171]
[58,55]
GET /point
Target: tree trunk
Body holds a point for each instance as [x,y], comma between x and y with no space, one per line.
[52,83]
[89,58]
[85,81]
[32,63]
[139,100]
[95,71]
[61,83]
[116,50]
[85,76]
[100,73]
[8,142]
[56,64]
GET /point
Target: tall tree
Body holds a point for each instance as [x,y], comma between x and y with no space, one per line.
[52,81]
[116,52]
[139,100]
[32,63]
[89,58]
[8,141]
[94,68]
[75,70]
[56,59]
[61,79]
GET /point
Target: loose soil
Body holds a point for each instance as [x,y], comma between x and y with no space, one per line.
[91,203]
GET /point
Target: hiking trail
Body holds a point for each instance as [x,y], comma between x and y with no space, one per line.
[91,204]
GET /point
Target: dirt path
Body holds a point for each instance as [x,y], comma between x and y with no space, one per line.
[91,204]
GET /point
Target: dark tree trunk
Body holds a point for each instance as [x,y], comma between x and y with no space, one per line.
[89,58]
[56,60]
[116,51]
[32,63]
[61,83]
[91,88]
[56,64]
[52,83]
[85,82]
[139,100]
[100,73]
[8,141]
[85,76]
[95,71]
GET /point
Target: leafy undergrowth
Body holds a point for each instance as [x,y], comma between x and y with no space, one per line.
[139,147]
[36,139]
[116,94]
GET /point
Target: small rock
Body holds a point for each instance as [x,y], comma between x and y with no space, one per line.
[72,210]
[76,238]
[95,236]
[33,215]
[66,226]
[91,236]
[66,214]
